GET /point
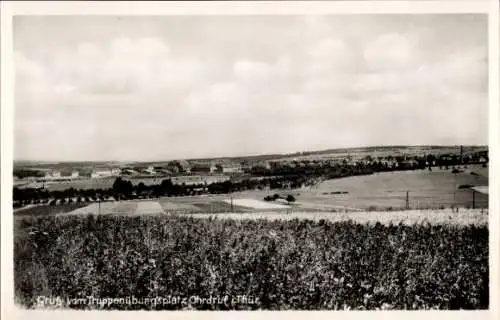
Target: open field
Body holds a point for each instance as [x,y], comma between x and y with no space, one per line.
[149,207]
[427,189]
[477,217]
[45,210]
[169,205]
[93,208]
[222,210]
[257,204]
[280,265]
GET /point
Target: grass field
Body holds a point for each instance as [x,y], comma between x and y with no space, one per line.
[427,189]
[46,210]
[279,265]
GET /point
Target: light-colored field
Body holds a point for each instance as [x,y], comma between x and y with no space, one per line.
[149,207]
[94,208]
[427,189]
[482,189]
[124,208]
[435,217]
[172,205]
[113,208]
[256,204]
[323,206]
[446,216]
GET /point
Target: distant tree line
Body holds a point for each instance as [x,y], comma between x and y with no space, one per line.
[368,165]
[26,173]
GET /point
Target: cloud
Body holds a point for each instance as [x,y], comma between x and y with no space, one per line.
[330,56]
[251,70]
[391,51]
[121,66]
[30,76]
[218,100]
[312,83]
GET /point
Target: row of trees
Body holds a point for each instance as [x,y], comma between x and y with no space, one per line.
[369,163]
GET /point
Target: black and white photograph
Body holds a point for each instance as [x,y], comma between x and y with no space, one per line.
[250,162]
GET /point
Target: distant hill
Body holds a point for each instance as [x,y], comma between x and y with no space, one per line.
[255,158]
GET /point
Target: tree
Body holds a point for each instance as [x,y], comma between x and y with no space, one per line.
[141,187]
[290,198]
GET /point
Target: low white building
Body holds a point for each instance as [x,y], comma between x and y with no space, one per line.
[53,175]
[232,169]
[101,173]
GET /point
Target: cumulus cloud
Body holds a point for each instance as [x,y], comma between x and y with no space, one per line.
[318,82]
[249,70]
[123,65]
[391,51]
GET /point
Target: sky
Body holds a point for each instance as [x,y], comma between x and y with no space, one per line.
[105,88]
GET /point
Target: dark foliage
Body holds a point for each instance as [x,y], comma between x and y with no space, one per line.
[297,264]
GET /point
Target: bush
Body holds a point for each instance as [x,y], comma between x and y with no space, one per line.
[290,198]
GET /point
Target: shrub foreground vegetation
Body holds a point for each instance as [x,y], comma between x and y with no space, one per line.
[297,264]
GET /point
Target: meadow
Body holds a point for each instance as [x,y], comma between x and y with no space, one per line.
[44,210]
[437,189]
[380,191]
[280,265]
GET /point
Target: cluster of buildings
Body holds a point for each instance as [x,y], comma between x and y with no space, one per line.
[178,168]
[173,168]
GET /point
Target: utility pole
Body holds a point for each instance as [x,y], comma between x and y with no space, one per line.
[473,199]
[231,204]
[99,201]
[407,200]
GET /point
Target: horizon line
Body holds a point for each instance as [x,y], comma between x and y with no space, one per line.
[256,154]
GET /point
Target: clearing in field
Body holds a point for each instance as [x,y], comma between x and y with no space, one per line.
[93,208]
[176,206]
[214,206]
[149,207]
[105,208]
[256,204]
[124,208]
